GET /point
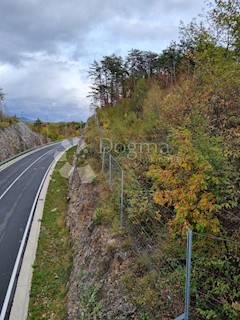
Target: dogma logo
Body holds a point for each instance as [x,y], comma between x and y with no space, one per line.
[86,173]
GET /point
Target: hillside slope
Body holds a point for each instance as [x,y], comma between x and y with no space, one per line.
[17,138]
[95,287]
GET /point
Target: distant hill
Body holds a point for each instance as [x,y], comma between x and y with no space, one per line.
[25,119]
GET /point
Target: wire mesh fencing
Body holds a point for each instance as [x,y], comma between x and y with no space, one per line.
[200,280]
[163,262]
[115,177]
[215,285]
[156,251]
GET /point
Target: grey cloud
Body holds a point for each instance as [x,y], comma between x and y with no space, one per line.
[42,109]
[137,30]
[41,26]
[44,82]
[48,45]
[34,25]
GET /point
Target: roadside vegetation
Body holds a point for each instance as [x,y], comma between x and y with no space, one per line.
[54,254]
[57,130]
[183,103]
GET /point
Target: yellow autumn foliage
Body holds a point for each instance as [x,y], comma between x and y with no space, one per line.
[182,184]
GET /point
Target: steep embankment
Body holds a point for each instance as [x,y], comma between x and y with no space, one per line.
[95,289]
[17,138]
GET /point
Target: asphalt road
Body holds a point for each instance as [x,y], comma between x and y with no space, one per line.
[19,184]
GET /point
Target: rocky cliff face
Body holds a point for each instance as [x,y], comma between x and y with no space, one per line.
[17,138]
[95,289]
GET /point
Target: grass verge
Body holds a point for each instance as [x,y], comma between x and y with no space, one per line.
[54,254]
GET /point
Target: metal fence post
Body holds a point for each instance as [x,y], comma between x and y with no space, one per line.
[186,314]
[103,159]
[188,273]
[121,200]
[110,171]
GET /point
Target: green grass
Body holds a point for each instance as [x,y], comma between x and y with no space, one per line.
[54,254]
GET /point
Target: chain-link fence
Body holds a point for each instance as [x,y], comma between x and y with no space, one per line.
[115,176]
[164,270]
[215,285]
[198,281]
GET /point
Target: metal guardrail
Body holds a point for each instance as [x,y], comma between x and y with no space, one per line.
[32,149]
[27,151]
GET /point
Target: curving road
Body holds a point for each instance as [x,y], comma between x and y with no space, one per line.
[19,185]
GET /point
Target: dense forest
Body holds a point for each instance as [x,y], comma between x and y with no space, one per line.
[185,101]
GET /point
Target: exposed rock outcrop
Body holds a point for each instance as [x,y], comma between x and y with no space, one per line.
[17,138]
[95,289]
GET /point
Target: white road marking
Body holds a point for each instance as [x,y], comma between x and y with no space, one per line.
[3,194]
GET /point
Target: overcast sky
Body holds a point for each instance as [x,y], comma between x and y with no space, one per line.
[47,46]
